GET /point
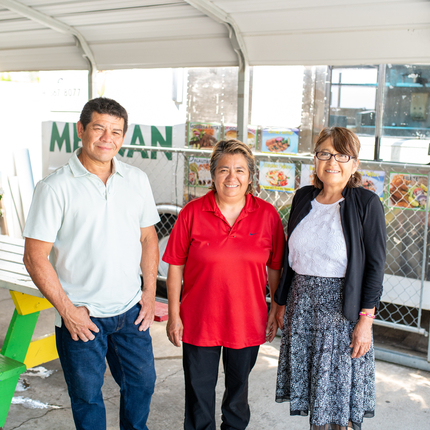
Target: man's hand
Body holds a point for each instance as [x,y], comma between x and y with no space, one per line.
[77,320]
[147,311]
[149,266]
[175,330]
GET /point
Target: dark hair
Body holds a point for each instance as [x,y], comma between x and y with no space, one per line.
[344,141]
[227,147]
[103,105]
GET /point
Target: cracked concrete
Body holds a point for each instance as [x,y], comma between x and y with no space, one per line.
[403,394]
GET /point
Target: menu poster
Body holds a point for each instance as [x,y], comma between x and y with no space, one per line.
[373,180]
[307,175]
[203,134]
[199,174]
[230,132]
[281,141]
[408,191]
[277,176]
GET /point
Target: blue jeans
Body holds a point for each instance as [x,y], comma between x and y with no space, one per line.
[128,352]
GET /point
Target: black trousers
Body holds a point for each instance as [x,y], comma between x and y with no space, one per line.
[201,365]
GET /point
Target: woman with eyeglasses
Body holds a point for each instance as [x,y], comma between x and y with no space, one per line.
[330,288]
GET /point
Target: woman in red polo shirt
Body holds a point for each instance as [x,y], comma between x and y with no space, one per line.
[224,246]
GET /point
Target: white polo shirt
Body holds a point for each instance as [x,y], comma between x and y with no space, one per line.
[95,231]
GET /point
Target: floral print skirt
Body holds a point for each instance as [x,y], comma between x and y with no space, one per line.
[316,373]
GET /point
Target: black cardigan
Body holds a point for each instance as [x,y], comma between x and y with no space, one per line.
[363,223]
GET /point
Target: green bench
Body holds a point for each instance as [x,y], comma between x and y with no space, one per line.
[9,374]
[19,350]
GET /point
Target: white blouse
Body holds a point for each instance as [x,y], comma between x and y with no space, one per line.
[317,245]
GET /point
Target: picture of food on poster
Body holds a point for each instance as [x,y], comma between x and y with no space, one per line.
[199,174]
[373,180]
[277,176]
[307,175]
[280,141]
[407,191]
[230,132]
[203,134]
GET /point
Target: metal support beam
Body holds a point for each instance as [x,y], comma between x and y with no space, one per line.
[401,358]
[243,103]
[238,45]
[61,27]
[380,96]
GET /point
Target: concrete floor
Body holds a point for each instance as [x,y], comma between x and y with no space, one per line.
[42,402]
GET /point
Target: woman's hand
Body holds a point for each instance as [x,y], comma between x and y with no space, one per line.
[361,337]
[280,316]
[174,330]
[174,326]
[272,325]
[273,277]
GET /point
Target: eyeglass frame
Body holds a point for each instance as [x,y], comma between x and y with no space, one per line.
[334,155]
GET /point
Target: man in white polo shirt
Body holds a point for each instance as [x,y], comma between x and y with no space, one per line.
[95,217]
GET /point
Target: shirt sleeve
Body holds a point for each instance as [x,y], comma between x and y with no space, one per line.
[278,243]
[45,215]
[179,241]
[375,240]
[149,215]
[281,292]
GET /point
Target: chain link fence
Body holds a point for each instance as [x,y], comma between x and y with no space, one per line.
[178,175]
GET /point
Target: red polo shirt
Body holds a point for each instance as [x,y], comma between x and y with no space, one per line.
[224,291]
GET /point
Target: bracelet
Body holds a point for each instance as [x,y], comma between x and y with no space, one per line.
[367,315]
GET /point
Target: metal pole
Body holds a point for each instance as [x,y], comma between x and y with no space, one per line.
[238,45]
[423,268]
[243,102]
[327,97]
[92,72]
[380,95]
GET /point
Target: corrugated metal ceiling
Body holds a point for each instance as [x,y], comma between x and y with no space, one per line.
[172,33]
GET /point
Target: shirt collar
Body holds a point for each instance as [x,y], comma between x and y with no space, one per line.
[209,203]
[79,170]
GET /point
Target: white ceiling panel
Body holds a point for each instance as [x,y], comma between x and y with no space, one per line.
[36,38]
[176,53]
[6,14]
[172,33]
[92,7]
[52,58]
[337,18]
[20,24]
[126,15]
[166,29]
[341,48]
[96,4]
[239,6]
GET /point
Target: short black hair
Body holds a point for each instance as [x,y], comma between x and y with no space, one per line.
[103,105]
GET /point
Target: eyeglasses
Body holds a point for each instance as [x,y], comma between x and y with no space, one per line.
[340,158]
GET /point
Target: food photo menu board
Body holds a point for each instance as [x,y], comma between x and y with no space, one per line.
[230,132]
[307,175]
[199,174]
[373,180]
[277,176]
[203,134]
[280,141]
[408,191]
